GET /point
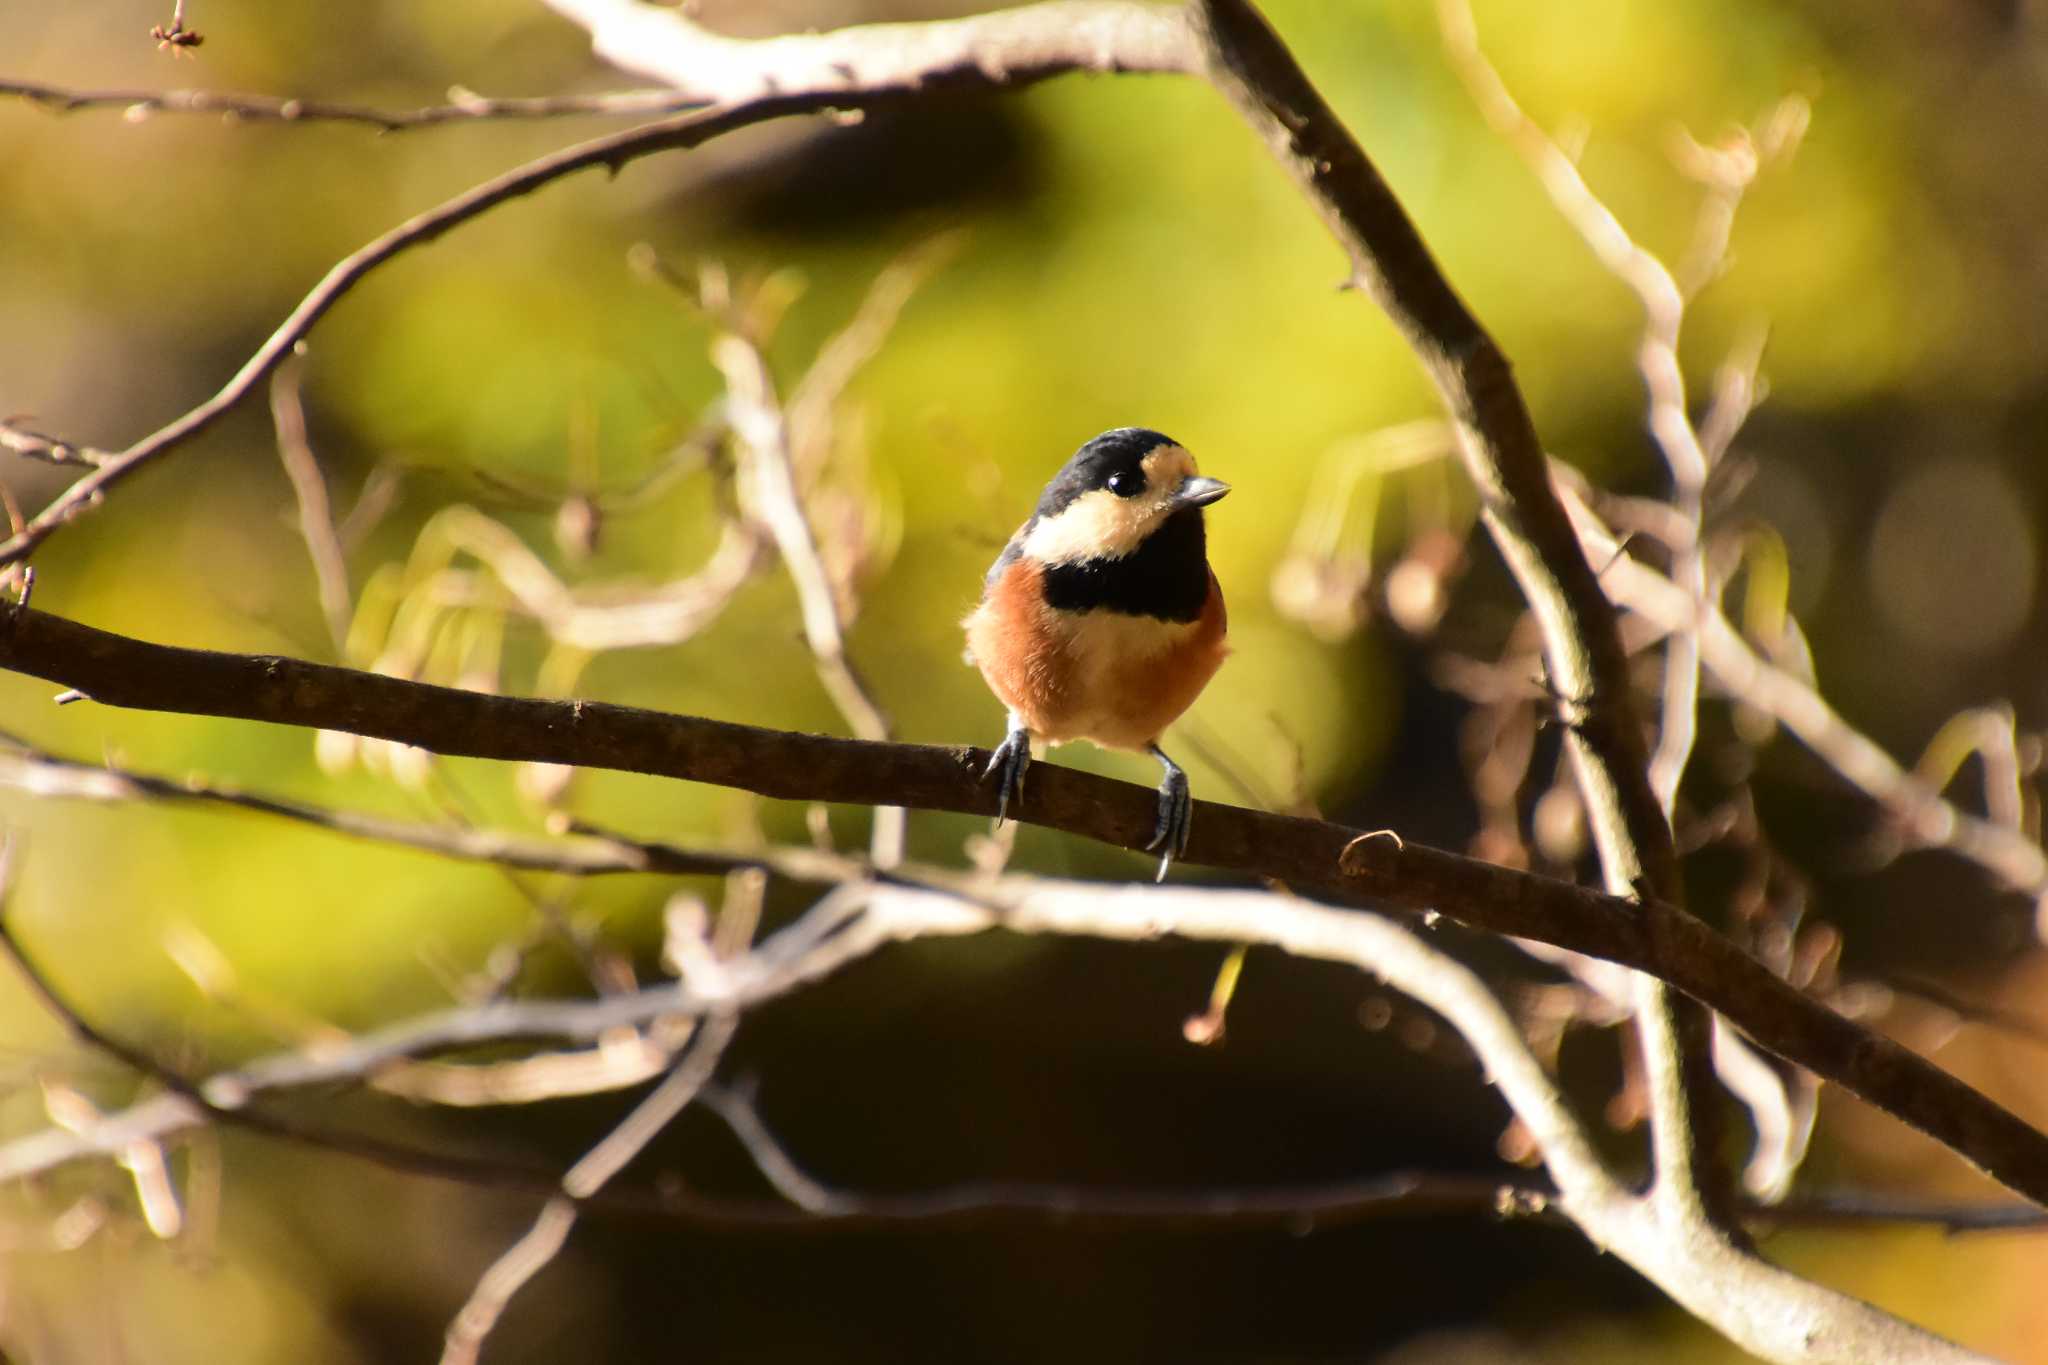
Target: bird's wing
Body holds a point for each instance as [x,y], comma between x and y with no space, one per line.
[1007,557]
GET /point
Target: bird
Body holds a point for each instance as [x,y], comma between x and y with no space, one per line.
[1101,619]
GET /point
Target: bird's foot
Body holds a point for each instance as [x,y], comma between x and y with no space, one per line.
[1012,757]
[1176,815]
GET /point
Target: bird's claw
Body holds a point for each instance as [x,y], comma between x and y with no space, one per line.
[1176,816]
[1011,758]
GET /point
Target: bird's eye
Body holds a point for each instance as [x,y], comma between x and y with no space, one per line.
[1126,483]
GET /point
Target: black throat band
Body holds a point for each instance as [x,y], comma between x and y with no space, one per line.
[1166,577]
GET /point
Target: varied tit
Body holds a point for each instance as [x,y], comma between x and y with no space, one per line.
[1101,620]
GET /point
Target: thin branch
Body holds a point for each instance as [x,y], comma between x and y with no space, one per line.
[464,106]
[859,919]
[316,512]
[1922,814]
[36,773]
[1664,305]
[595,618]
[531,1253]
[769,493]
[1315,856]
[185,1103]
[21,441]
[1398,1192]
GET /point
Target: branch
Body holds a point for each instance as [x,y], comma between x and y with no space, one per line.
[1329,860]
[1690,463]
[309,489]
[530,1254]
[464,106]
[613,151]
[1007,48]
[1921,812]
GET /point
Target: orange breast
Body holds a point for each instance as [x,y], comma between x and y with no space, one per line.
[1115,679]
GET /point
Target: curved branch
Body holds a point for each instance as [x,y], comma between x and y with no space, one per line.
[1312,855]
[613,151]
[1006,48]
[1809,1322]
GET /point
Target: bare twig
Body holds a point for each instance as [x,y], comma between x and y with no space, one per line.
[1687,456]
[769,493]
[36,773]
[1663,317]
[591,619]
[36,446]
[316,513]
[1922,814]
[531,1253]
[1399,1192]
[464,106]
[185,1103]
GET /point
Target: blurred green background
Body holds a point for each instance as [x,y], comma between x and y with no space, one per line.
[1129,256]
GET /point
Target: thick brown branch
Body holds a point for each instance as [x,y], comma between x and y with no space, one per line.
[1311,855]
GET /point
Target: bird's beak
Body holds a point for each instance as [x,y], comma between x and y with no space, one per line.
[1197,491]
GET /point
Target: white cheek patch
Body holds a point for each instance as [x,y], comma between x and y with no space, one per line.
[1097,525]
[1101,525]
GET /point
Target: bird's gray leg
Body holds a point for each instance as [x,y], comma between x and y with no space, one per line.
[1012,757]
[1176,813]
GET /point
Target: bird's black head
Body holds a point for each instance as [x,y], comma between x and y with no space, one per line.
[1114,493]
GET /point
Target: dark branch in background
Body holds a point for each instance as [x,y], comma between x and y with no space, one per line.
[525,1258]
[464,106]
[1327,859]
